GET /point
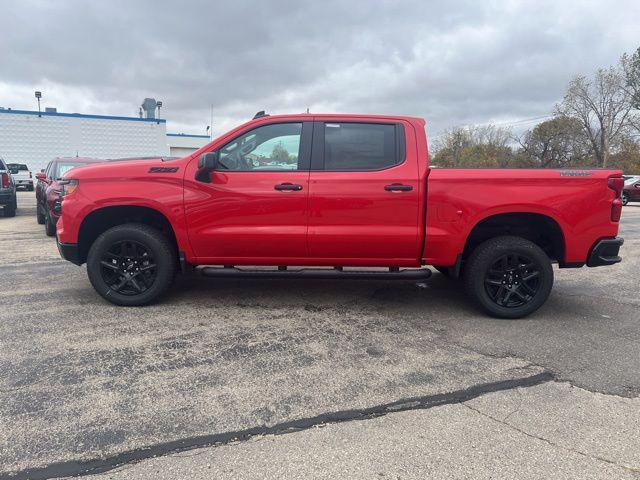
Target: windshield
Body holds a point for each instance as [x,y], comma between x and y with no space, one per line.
[62,168]
[16,167]
[631,180]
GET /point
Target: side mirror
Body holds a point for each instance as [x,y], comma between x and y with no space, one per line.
[206,164]
[40,176]
[209,160]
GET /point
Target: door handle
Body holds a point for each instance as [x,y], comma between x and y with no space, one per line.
[398,187]
[288,186]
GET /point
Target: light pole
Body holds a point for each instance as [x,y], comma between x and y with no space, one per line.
[159,105]
[211,123]
[39,96]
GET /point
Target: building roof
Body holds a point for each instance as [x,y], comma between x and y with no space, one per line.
[80,115]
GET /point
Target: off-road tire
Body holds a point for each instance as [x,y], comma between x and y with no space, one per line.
[162,250]
[39,215]
[10,209]
[49,225]
[482,259]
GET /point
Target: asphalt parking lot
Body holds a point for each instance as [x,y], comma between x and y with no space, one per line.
[286,379]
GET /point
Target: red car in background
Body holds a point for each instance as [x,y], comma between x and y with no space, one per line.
[631,191]
[48,189]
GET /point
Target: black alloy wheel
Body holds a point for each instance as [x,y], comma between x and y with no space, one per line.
[128,267]
[508,276]
[512,281]
[132,264]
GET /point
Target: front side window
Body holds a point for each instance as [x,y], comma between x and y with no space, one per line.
[359,146]
[269,148]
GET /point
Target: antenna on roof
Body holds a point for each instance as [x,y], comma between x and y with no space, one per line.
[260,114]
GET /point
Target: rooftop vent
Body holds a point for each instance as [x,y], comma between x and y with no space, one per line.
[149,107]
[51,109]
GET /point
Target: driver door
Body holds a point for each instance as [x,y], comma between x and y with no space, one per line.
[254,210]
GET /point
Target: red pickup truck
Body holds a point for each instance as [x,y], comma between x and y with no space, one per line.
[335,192]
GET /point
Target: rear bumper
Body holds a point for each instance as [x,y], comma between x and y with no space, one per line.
[605,252]
[69,251]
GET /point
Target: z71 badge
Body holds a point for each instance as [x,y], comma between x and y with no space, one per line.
[163,169]
[575,173]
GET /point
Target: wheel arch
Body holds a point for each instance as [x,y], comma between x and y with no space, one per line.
[104,218]
[539,228]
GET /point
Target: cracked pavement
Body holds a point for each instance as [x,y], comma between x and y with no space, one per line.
[86,386]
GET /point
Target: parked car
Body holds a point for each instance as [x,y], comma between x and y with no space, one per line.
[48,190]
[22,176]
[335,191]
[631,192]
[8,198]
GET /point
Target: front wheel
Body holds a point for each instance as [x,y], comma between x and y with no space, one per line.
[508,277]
[625,198]
[131,264]
[49,225]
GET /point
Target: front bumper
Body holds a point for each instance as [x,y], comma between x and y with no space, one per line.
[605,252]
[69,251]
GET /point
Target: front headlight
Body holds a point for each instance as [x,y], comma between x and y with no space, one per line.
[68,187]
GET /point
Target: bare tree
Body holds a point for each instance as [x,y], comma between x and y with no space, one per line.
[474,147]
[602,105]
[631,66]
[555,143]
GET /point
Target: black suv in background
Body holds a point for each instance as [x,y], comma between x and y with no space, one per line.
[8,199]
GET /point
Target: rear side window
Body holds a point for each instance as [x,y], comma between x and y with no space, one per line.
[360,146]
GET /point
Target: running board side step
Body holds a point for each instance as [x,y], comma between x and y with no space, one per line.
[332,273]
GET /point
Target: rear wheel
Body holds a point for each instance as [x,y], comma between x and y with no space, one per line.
[10,210]
[508,277]
[49,225]
[131,264]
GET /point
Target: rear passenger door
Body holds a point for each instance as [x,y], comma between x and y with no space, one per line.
[364,194]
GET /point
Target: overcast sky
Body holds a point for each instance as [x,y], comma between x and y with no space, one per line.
[454,64]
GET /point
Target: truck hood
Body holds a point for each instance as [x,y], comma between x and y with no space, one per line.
[120,167]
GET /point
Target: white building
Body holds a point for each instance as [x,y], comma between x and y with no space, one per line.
[35,138]
[182,144]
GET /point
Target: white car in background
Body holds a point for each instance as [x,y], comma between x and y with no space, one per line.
[21,174]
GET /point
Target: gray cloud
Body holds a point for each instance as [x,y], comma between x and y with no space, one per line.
[460,63]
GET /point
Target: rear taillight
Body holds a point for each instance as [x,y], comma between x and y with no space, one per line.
[5,180]
[617,185]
